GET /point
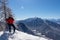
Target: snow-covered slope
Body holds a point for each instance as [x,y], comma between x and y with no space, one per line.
[19,36]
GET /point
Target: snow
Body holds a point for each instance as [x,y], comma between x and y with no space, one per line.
[20,36]
[1,33]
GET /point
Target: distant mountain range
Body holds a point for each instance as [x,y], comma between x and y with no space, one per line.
[39,26]
[55,20]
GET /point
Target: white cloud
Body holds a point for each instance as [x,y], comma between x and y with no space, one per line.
[22,7]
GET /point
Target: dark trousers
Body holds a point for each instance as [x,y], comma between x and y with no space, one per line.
[11,25]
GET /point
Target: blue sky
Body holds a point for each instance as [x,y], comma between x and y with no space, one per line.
[23,9]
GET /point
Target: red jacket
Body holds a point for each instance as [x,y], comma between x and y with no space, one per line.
[10,20]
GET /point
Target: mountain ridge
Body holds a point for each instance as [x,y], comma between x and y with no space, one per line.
[45,27]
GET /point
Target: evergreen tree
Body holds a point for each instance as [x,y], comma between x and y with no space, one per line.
[5,12]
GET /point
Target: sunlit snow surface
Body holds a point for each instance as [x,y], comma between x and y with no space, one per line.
[19,36]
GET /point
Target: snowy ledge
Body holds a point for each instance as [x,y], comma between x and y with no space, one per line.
[20,36]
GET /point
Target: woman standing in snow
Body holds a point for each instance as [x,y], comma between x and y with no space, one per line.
[10,22]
